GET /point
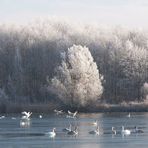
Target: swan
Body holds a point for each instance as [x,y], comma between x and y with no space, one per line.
[58,112]
[72,115]
[67,129]
[53,133]
[26,115]
[73,132]
[114,131]
[2,117]
[125,131]
[95,132]
[136,130]
[129,115]
[95,123]
[40,116]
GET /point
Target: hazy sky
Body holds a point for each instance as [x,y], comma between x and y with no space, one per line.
[110,12]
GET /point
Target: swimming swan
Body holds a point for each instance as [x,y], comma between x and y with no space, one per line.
[95,132]
[53,133]
[129,115]
[114,131]
[125,131]
[68,129]
[73,132]
[136,130]
[95,123]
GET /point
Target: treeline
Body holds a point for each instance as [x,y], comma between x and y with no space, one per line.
[29,55]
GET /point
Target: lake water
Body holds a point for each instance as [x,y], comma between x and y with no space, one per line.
[12,135]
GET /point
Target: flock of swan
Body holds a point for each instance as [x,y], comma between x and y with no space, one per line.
[96,131]
[73,130]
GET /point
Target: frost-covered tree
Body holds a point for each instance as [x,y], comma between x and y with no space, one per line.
[144,90]
[3,96]
[134,68]
[28,53]
[77,81]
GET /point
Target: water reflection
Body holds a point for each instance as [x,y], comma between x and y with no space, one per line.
[25,123]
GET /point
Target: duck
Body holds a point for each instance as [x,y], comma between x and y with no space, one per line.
[114,131]
[73,132]
[95,132]
[52,134]
[125,131]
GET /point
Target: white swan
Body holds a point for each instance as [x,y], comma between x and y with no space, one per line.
[114,131]
[71,115]
[52,134]
[26,115]
[58,112]
[40,116]
[129,115]
[95,132]
[73,132]
[95,123]
[125,131]
[136,130]
[68,129]
[2,117]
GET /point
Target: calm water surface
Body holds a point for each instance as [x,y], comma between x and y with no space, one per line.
[14,136]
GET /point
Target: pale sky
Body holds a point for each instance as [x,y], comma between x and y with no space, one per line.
[131,13]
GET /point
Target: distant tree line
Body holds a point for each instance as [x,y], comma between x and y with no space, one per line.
[30,54]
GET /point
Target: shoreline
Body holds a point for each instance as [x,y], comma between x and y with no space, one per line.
[49,108]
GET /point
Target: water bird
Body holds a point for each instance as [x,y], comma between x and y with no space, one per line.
[95,123]
[72,115]
[136,130]
[125,131]
[68,129]
[114,131]
[2,117]
[73,132]
[95,132]
[58,112]
[13,118]
[129,115]
[52,134]
[26,115]
[40,116]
